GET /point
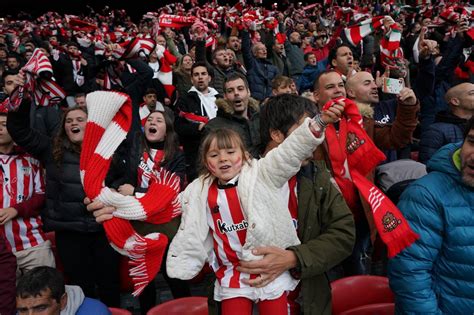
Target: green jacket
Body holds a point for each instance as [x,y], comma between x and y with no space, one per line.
[327,234]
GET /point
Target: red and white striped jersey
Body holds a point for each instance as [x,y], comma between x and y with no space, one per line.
[229,229]
[20,177]
[148,163]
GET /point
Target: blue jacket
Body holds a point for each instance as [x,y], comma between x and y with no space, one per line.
[306,80]
[447,129]
[435,275]
[260,72]
[92,306]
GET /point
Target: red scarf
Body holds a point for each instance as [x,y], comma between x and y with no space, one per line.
[353,155]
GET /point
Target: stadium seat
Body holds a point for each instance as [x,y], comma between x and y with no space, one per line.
[351,292]
[194,305]
[372,309]
[119,311]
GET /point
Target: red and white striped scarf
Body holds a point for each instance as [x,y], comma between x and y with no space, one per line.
[129,49]
[353,155]
[390,43]
[109,119]
[175,21]
[165,74]
[357,32]
[39,81]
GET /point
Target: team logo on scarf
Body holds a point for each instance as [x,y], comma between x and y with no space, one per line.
[353,142]
[390,222]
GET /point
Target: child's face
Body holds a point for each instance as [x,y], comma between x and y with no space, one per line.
[224,164]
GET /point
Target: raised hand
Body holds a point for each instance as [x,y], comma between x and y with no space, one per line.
[407,96]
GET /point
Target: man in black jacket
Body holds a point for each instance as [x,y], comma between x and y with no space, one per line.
[238,111]
[449,125]
[194,110]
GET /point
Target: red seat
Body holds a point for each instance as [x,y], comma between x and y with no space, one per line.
[352,292]
[119,311]
[194,305]
[372,309]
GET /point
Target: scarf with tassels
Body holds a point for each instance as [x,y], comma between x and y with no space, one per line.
[109,119]
[39,81]
[353,155]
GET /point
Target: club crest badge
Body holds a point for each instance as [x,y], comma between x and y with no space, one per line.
[390,222]
[353,142]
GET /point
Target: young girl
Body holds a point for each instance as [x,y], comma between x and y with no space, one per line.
[236,205]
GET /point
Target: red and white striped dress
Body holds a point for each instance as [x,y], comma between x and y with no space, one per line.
[20,177]
[229,229]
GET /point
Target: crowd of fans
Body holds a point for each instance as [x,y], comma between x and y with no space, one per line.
[289,135]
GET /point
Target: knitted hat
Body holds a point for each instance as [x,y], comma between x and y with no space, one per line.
[109,119]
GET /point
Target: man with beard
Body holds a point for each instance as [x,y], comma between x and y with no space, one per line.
[330,86]
[435,274]
[194,110]
[238,111]
[362,88]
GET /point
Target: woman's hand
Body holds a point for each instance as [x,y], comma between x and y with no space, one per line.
[100,211]
[7,214]
[126,190]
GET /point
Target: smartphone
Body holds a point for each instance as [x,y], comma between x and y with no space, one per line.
[392,86]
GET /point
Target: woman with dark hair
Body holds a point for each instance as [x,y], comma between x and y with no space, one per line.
[154,149]
[182,75]
[83,248]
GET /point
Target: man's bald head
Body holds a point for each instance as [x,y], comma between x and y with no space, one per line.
[458,90]
[461,99]
[361,87]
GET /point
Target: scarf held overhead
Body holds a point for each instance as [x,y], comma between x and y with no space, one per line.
[39,81]
[108,121]
[353,155]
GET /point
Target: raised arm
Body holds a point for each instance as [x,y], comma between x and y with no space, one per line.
[18,125]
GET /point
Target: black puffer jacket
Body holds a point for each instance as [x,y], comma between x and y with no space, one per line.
[65,209]
[248,129]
